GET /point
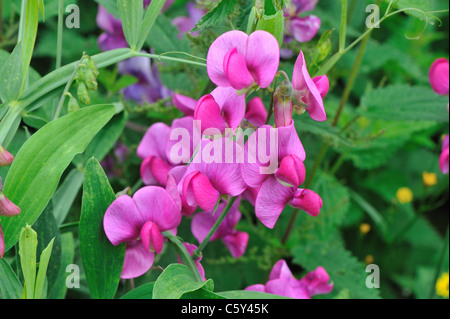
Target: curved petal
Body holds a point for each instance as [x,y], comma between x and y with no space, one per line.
[2,243]
[155,204]
[236,243]
[262,57]
[282,287]
[208,112]
[122,221]
[438,76]
[292,171]
[316,282]
[304,29]
[184,103]
[217,51]
[444,161]
[183,140]
[231,105]
[151,237]
[281,271]
[308,201]
[204,192]
[137,260]
[272,199]
[236,70]
[289,143]
[154,141]
[323,85]
[256,113]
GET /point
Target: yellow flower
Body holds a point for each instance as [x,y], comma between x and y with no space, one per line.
[364,228]
[442,285]
[369,259]
[404,195]
[429,179]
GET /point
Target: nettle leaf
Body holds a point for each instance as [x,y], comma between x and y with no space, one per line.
[404,103]
[218,15]
[10,286]
[131,13]
[345,271]
[175,281]
[102,261]
[35,173]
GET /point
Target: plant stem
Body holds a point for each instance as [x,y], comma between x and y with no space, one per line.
[216,225]
[59,41]
[184,255]
[168,58]
[1,20]
[343,28]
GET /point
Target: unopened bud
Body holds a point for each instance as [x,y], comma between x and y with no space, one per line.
[83,93]
[73,104]
[5,157]
[7,208]
[283,104]
[91,65]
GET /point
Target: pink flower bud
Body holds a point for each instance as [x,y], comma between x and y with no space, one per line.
[283,105]
[5,157]
[439,77]
[308,201]
[7,208]
[2,243]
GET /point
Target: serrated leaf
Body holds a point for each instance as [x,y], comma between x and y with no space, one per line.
[217,16]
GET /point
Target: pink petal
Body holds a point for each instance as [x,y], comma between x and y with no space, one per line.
[191,248]
[155,204]
[6,158]
[2,243]
[304,29]
[316,282]
[289,143]
[444,161]
[439,76]
[291,171]
[236,243]
[183,140]
[151,237]
[7,208]
[209,113]
[250,194]
[263,57]
[283,287]
[232,105]
[281,271]
[137,260]
[322,84]
[308,201]
[236,70]
[198,190]
[154,171]
[184,103]
[217,51]
[256,113]
[122,221]
[175,176]
[272,199]
[154,142]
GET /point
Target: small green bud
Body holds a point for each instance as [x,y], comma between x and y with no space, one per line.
[83,94]
[73,104]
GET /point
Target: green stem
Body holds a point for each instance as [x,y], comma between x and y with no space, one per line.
[23,11]
[168,58]
[185,257]
[59,41]
[216,225]
[343,28]
[440,263]
[1,20]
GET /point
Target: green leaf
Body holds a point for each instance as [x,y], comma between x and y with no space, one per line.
[11,77]
[274,24]
[43,265]
[152,12]
[244,294]
[217,16]
[131,13]
[38,166]
[67,255]
[404,103]
[142,292]
[27,252]
[10,286]
[164,37]
[102,261]
[175,281]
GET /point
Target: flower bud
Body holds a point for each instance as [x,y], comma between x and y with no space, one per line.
[283,104]
[83,94]
[5,157]
[91,65]
[8,208]
[73,104]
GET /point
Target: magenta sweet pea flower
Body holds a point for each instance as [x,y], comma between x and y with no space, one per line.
[215,171]
[235,241]
[139,222]
[439,76]
[221,109]
[256,113]
[444,158]
[283,283]
[191,248]
[187,23]
[243,61]
[303,29]
[309,93]
[184,103]
[6,158]
[174,177]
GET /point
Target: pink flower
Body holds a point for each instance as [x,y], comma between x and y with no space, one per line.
[283,104]
[174,178]
[238,60]
[191,248]
[444,158]
[213,172]
[184,103]
[234,240]
[283,283]
[303,29]
[309,93]
[139,222]
[6,158]
[221,109]
[274,164]
[439,76]
[256,113]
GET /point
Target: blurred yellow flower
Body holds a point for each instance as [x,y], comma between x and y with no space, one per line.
[429,179]
[364,228]
[369,259]
[404,195]
[442,285]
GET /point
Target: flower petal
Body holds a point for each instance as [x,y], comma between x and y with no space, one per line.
[308,201]
[304,29]
[236,243]
[137,260]
[316,282]
[256,113]
[438,76]
[208,112]
[263,57]
[291,171]
[184,103]
[289,143]
[197,189]
[154,141]
[151,237]
[281,271]
[231,105]
[2,243]
[236,70]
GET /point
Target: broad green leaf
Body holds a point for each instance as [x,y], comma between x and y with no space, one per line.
[131,13]
[404,103]
[66,194]
[27,252]
[150,16]
[202,293]
[11,77]
[175,281]
[38,166]
[67,255]
[274,24]
[244,294]
[102,261]
[217,16]
[10,286]
[31,27]
[142,292]
[42,272]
